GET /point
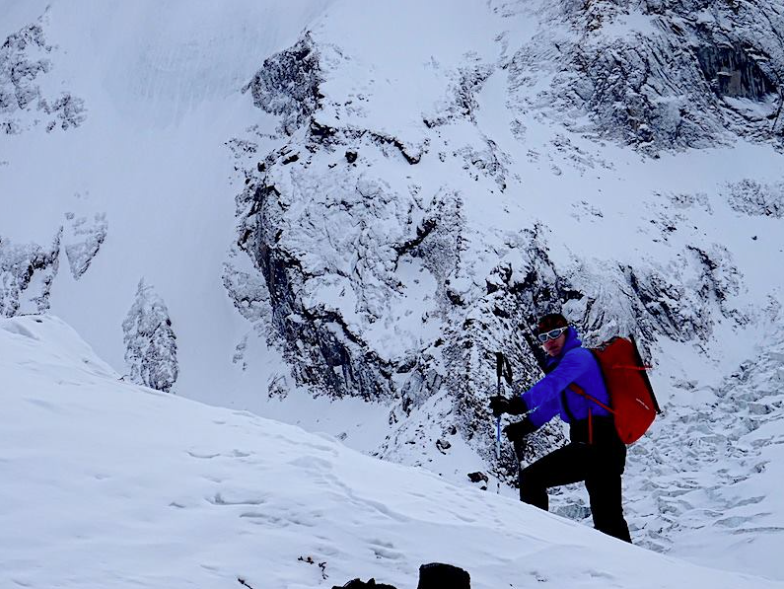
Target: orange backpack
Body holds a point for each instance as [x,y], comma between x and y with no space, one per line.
[633,403]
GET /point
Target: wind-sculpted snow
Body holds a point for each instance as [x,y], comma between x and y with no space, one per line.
[150,342]
[24,58]
[26,276]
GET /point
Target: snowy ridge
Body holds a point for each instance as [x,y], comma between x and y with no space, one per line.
[119,485]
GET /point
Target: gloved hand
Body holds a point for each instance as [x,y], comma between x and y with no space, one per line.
[498,405]
[514,406]
[518,430]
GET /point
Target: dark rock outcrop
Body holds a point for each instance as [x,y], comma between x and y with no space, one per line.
[288,84]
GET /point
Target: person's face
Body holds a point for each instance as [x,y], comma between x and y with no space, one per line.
[553,347]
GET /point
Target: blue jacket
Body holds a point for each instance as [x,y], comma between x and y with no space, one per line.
[576,365]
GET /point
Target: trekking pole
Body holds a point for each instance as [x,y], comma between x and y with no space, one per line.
[499,368]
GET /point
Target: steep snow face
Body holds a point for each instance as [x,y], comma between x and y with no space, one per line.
[122,486]
[349,208]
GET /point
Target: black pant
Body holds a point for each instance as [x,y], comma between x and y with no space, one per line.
[600,465]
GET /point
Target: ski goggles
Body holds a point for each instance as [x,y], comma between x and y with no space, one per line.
[552,334]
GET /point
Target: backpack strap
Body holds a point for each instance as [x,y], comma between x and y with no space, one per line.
[565,405]
[575,388]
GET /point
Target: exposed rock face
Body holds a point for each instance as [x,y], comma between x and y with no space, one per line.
[26,276]
[287,85]
[27,271]
[150,342]
[659,74]
[23,59]
[731,71]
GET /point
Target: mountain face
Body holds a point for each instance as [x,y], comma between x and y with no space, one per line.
[348,210]
[340,226]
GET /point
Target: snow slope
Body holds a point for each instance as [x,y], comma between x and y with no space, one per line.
[107,484]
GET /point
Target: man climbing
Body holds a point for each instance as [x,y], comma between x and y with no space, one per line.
[595,453]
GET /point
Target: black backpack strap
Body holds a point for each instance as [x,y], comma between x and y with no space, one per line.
[565,406]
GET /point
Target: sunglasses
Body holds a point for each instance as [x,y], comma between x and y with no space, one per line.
[552,334]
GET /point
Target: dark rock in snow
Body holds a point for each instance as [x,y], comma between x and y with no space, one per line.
[359,584]
[437,575]
[476,477]
[288,84]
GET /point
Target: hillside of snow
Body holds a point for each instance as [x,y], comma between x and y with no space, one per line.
[333,213]
[108,484]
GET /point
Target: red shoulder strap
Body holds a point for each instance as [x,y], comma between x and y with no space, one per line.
[577,389]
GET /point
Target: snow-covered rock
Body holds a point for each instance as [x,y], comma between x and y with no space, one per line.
[151,346]
[26,275]
[24,58]
[82,241]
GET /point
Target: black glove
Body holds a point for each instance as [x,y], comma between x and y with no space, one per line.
[517,431]
[517,406]
[499,405]
[514,406]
